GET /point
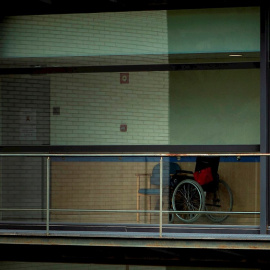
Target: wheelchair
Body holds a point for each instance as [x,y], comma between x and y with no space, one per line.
[186,194]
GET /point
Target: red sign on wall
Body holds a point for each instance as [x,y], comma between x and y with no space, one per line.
[123,128]
[124,78]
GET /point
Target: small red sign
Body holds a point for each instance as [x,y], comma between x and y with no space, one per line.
[123,128]
[124,78]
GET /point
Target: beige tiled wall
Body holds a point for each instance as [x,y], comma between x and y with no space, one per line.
[112,185]
[96,186]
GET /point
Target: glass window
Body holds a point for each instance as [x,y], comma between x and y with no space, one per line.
[164,78]
[131,78]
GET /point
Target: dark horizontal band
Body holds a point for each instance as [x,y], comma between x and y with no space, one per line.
[131,149]
[129,68]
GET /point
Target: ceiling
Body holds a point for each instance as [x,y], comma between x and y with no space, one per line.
[27,7]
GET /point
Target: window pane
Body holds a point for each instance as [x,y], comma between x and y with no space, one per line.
[158,108]
[23,190]
[214,107]
[107,190]
[231,197]
[110,79]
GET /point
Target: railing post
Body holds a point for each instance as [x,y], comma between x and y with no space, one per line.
[48,198]
[160,196]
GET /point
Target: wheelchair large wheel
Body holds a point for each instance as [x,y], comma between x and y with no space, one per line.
[188,196]
[221,200]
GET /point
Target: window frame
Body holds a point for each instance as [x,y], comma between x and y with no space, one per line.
[264,124]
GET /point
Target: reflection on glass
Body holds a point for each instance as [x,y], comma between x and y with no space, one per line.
[23,188]
[73,84]
[78,90]
[126,190]
[151,108]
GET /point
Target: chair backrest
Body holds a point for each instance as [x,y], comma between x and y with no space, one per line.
[204,162]
[168,168]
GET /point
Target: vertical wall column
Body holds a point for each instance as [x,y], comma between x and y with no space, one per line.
[265,102]
[25,116]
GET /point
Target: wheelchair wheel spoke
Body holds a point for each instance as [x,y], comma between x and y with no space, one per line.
[188,196]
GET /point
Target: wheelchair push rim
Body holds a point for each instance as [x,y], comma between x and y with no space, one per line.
[188,196]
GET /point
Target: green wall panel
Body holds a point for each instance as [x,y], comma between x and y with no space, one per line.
[214,30]
[211,107]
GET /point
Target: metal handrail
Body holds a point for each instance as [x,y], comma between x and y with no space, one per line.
[132,211]
[160,211]
[132,155]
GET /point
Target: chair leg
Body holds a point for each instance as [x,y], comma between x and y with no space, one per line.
[138,208]
[149,207]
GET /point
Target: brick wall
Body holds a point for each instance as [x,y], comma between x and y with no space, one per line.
[25,106]
[25,121]
[93,106]
[108,33]
[23,187]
